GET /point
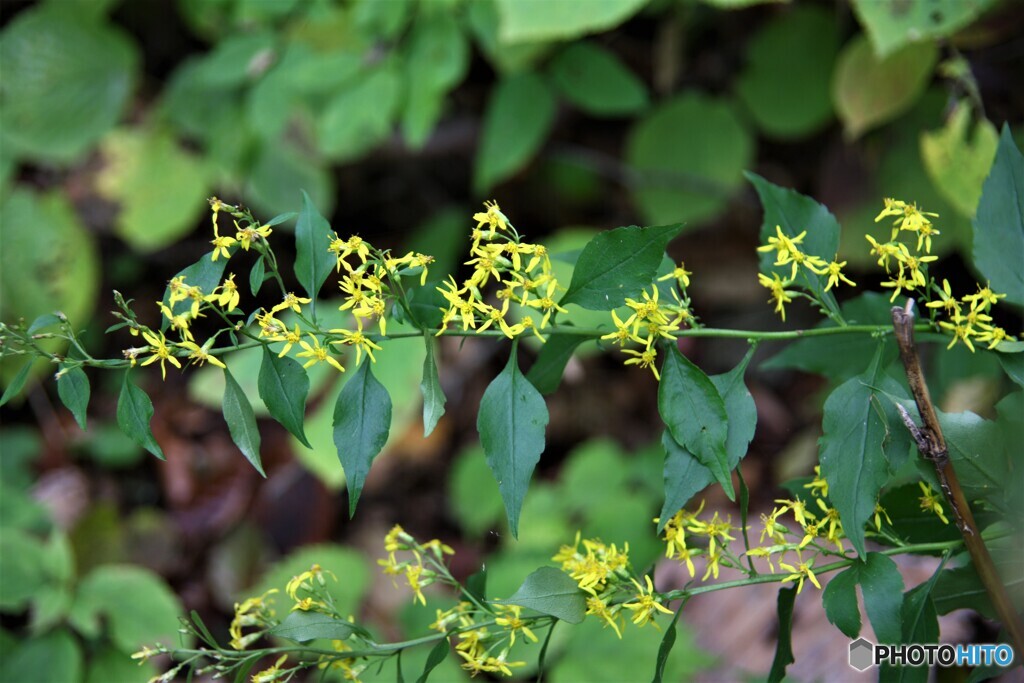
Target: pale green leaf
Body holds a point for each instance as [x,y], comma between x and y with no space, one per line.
[553,592]
[958,158]
[891,24]
[526,20]
[999,224]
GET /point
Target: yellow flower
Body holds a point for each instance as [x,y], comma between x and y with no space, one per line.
[200,354]
[493,218]
[317,354]
[645,359]
[930,501]
[344,248]
[962,331]
[679,273]
[513,622]
[251,612]
[221,244]
[780,295]
[600,609]
[884,252]
[226,295]
[623,331]
[180,323]
[803,570]
[946,300]
[879,513]
[547,304]
[835,274]
[359,341]
[273,673]
[646,603]
[993,335]
[290,301]
[246,236]
[818,485]
[717,530]
[290,338]
[712,568]
[984,298]
[161,353]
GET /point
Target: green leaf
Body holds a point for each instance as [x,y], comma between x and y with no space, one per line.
[346,563]
[519,114]
[437,655]
[668,641]
[546,371]
[688,155]
[42,322]
[511,423]
[437,60]
[134,411]
[257,276]
[999,224]
[67,80]
[553,592]
[474,498]
[787,91]
[360,115]
[433,395]
[694,412]
[840,602]
[484,21]
[891,24]
[110,664]
[281,170]
[794,213]
[17,383]
[362,419]
[55,656]
[313,261]
[242,422]
[20,561]
[303,627]
[617,264]
[881,584]
[284,386]
[685,476]
[920,625]
[523,20]
[853,460]
[73,389]
[869,91]
[1013,366]
[205,274]
[784,638]
[593,79]
[958,162]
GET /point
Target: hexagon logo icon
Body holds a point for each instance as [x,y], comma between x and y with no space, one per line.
[862,654]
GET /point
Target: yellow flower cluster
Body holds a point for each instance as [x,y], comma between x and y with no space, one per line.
[418,575]
[252,612]
[520,273]
[788,252]
[652,320]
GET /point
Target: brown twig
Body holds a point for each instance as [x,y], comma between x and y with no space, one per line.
[932,446]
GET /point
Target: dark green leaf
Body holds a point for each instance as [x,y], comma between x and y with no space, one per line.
[684,477]
[784,642]
[257,275]
[134,411]
[519,115]
[205,274]
[281,218]
[617,264]
[999,224]
[241,421]
[73,389]
[553,592]
[437,655]
[303,627]
[42,321]
[313,261]
[17,384]
[668,641]
[511,423]
[433,395]
[55,656]
[593,78]
[881,584]
[840,602]
[362,420]
[920,625]
[1013,366]
[546,371]
[694,412]
[284,386]
[476,584]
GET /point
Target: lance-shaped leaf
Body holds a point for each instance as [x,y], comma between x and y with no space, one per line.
[999,223]
[241,421]
[362,420]
[73,389]
[283,385]
[433,395]
[313,261]
[784,643]
[551,591]
[617,264]
[920,624]
[17,384]
[694,412]
[437,655]
[546,371]
[134,411]
[257,275]
[511,423]
[303,627]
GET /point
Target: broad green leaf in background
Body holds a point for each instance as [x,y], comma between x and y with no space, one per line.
[433,395]
[920,624]
[593,79]
[784,637]
[280,171]
[384,19]
[739,4]
[437,60]
[617,264]
[685,476]
[159,186]
[546,371]
[999,224]
[360,115]
[73,389]
[284,386]
[20,560]
[134,411]
[551,591]
[17,383]
[313,261]
[961,587]
[958,159]
[839,598]
[67,79]
[362,419]
[688,156]
[869,91]
[794,213]
[787,92]
[237,59]
[484,21]
[891,24]
[511,423]
[695,414]
[520,112]
[55,656]
[524,20]
[882,587]
[302,627]
[108,664]
[241,422]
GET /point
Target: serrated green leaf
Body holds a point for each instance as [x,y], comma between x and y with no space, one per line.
[17,383]
[313,261]
[839,598]
[134,411]
[784,637]
[695,414]
[284,386]
[869,91]
[524,20]
[362,420]
[891,24]
[519,114]
[73,389]
[553,592]
[433,395]
[241,421]
[303,627]
[999,224]
[593,79]
[511,423]
[437,655]
[957,160]
[546,371]
[617,264]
